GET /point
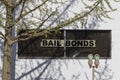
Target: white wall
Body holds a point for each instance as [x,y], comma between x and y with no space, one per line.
[75,69]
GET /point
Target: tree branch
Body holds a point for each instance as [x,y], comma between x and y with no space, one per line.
[76,18]
[67,7]
[19,2]
[22,8]
[29,36]
[3,1]
[2,35]
[1,25]
[34,33]
[7,3]
[23,15]
[46,19]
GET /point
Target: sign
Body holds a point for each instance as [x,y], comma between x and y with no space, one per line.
[67,44]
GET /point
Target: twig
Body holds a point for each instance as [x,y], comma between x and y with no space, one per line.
[23,15]
[34,33]
[2,35]
[18,3]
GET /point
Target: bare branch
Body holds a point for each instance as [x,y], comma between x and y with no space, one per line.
[23,15]
[35,33]
[46,19]
[1,2]
[4,2]
[19,2]
[20,39]
[78,17]
[7,3]
[2,35]
[28,36]
[1,25]
[22,7]
[67,7]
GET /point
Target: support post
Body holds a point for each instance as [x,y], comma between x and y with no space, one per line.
[93,67]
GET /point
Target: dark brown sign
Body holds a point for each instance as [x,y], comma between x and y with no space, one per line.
[67,44]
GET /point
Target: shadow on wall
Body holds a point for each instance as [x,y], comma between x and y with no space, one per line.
[46,63]
[47,70]
[104,73]
[47,67]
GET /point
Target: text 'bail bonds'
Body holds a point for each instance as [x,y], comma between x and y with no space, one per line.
[67,43]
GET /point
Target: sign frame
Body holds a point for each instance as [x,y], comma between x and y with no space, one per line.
[65,52]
